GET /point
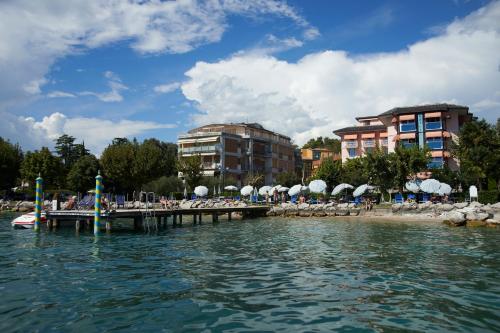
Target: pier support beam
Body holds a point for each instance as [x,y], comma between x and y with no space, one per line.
[137,222]
[229,217]
[199,219]
[194,219]
[174,220]
[215,217]
[180,219]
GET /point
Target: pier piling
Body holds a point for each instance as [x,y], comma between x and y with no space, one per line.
[38,203]
[97,204]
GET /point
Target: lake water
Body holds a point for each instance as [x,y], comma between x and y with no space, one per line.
[276,275]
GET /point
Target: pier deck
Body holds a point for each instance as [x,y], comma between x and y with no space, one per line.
[160,215]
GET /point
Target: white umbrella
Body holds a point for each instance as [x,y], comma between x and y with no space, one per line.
[412,187]
[317,186]
[201,191]
[231,188]
[430,186]
[294,190]
[283,189]
[361,189]
[246,190]
[185,192]
[264,190]
[444,189]
[339,188]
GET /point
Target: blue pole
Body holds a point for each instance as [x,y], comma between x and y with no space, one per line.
[97,204]
[38,202]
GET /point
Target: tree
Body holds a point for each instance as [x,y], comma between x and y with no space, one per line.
[330,171]
[407,162]
[82,175]
[288,179]
[446,175]
[192,169]
[148,161]
[117,162]
[478,150]
[49,166]
[68,151]
[352,172]
[11,157]
[378,169]
[164,185]
[320,142]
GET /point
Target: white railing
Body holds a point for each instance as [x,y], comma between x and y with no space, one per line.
[351,144]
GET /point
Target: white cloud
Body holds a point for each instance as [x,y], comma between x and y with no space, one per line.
[34,34]
[97,133]
[326,90]
[60,94]
[116,87]
[167,88]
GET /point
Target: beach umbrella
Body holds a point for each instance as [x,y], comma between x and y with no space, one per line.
[294,190]
[362,189]
[264,190]
[201,191]
[283,189]
[412,187]
[215,191]
[231,188]
[185,193]
[430,186]
[317,186]
[444,189]
[339,188]
[246,190]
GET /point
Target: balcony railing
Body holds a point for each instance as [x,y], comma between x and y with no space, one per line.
[351,144]
[407,144]
[433,125]
[384,142]
[436,164]
[369,143]
[199,149]
[435,144]
[409,127]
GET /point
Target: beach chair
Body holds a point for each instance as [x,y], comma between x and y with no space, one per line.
[120,201]
[293,199]
[398,198]
[412,197]
[425,197]
[193,196]
[357,201]
[237,198]
[82,204]
[253,199]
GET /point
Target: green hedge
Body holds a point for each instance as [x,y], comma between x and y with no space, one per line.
[486,197]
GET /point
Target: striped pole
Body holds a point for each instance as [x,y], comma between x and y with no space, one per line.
[38,202]
[97,204]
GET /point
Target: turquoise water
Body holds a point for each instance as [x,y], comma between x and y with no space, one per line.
[257,275]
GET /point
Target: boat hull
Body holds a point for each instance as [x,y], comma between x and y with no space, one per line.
[27,221]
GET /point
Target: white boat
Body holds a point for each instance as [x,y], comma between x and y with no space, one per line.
[27,220]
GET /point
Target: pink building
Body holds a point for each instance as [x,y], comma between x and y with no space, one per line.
[435,125]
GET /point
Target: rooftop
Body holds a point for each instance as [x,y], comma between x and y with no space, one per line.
[423,108]
[357,129]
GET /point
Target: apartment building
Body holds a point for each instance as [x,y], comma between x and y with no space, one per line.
[239,150]
[312,158]
[435,126]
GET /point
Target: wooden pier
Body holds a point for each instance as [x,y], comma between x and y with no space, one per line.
[148,218]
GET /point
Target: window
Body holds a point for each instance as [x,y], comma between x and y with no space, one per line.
[407,126]
[316,155]
[351,144]
[436,163]
[433,123]
[352,152]
[407,143]
[435,143]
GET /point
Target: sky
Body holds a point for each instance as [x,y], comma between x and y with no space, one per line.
[97,70]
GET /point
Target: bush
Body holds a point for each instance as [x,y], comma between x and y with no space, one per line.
[486,197]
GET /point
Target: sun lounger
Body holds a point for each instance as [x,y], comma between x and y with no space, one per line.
[120,201]
[398,198]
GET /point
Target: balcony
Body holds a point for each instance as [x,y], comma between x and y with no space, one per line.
[408,143]
[407,127]
[384,142]
[369,143]
[351,144]
[433,125]
[436,163]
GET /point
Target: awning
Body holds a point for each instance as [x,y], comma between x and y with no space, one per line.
[440,153]
[407,117]
[407,136]
[446,134]
[436,134]
[433,115]
[383,135]
[368,136]
[350,137]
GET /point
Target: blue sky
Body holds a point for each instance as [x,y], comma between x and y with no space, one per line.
[302,68]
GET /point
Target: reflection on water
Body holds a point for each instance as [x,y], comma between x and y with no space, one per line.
[257,275]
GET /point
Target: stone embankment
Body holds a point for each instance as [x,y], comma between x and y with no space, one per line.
[17,206]
[458,214]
